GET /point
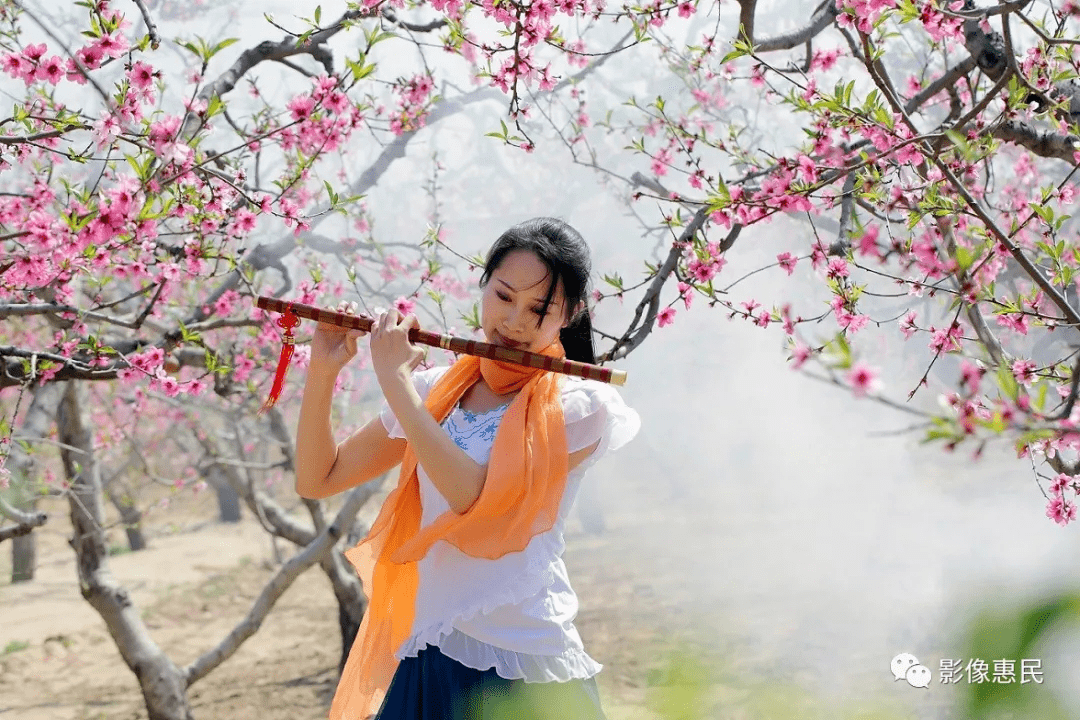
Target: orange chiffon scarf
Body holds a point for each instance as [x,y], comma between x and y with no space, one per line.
[526,479]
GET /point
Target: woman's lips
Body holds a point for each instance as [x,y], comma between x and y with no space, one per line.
[508,343]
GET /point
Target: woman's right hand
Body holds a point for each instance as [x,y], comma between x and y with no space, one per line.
[333,346]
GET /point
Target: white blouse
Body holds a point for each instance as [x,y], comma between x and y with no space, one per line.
[514,613]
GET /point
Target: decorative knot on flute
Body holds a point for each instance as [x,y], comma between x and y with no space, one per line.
[292,312]
[287,322]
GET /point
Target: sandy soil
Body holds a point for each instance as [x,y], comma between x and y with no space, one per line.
[198,578]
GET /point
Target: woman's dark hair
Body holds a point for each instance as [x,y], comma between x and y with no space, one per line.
[562,249]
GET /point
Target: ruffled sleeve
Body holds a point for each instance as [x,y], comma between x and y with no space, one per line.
[423,381]
[595,411]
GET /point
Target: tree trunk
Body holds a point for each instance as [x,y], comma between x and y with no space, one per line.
[228,500]
[163,685]
[24,555]
[352,603]
[130,515]
[24,468]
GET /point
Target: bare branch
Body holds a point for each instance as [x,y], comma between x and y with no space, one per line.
[840,247]
[23,519]
[1044,144]
[14,531]
[823,17]
[16,139]
[636,334]
[746,19]
[391,16]
[942,83]
[315,551]
[151,28]
[26,309]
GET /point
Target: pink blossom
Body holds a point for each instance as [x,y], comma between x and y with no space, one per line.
[838,268]
[301,107]
[1060,510]
[665,317]
[113,45]
[18,66]
[686,293]
[244,221]
[141,76]
[851,322]
[945,340]
[907,325]
[34,53]
[90,56]
[868,242]
[971,375]
[863,379]
[404,305]
[806,169]
[824,59]
[799,355]
[51,70]
[1024,371]
[1061,482]
[787,261]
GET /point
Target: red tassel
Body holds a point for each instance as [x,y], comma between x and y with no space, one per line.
[288,321]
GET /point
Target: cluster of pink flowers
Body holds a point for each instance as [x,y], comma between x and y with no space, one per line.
[845,318]
[1059,509]
[941,27]
[776,191]
[414,100]
[703,266]
[324,119]
[34,65]
[862,13]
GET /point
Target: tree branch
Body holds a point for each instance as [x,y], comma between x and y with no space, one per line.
[636,334]
[315,551]
[823,17]
[29,521]
[1044,144]
[746,19]
[151,28]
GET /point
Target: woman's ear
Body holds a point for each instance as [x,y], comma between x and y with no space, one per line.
[577,311]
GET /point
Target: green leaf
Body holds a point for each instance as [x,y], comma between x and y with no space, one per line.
[223,44]
[473,318]
[615,281]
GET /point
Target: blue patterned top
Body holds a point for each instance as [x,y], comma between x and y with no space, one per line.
[468,428]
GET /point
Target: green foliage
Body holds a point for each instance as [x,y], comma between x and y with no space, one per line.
[473,318]
[15,646]
[203,50]
[1016,632]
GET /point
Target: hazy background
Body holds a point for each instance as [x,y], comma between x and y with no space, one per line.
[812,534]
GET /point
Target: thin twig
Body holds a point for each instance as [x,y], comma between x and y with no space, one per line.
[151,28]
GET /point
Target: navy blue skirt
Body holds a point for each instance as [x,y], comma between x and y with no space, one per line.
[432,686]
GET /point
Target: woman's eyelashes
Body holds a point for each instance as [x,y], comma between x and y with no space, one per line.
[538,310]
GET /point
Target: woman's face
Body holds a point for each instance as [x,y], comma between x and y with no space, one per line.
[513,300]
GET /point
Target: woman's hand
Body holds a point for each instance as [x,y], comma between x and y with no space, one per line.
[333,346]
[392,354]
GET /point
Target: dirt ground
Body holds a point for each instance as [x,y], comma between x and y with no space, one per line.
[198,578]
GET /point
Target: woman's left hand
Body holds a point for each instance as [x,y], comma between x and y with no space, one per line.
[393,356]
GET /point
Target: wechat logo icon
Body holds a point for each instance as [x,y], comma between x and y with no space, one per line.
[905,666]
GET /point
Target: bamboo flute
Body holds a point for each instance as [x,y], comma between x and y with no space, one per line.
[449,342]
